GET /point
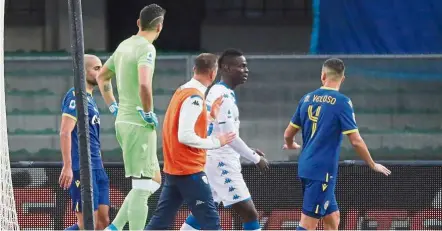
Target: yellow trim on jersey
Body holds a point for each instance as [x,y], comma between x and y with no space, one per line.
[70,116]
[350,131]
[317,209]
[295,125]
[329,88]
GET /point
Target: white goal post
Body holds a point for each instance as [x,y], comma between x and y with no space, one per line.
[8,213]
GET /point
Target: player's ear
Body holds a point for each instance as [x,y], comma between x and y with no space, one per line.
[343,78]
[138,23]
[215,72]
[159,27]
[212,75]
[323,76]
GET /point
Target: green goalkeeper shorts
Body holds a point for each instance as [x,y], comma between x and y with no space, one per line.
[139,145]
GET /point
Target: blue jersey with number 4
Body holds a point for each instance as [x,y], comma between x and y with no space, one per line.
[324,115]
[68,108]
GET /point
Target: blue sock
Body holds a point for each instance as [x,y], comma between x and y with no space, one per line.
[300,228]
[73,227]
[111,227]
[251,225]
[191,220]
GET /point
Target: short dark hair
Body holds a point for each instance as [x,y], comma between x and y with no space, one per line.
[205,62]
[227,55]
[335,65]
[151,16]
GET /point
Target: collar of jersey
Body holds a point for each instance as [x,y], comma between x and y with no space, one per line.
[198,85]
[226,86]
[329,88]
[87,92]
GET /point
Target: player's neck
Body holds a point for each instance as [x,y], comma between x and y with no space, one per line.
[332,85]
[89,88]
[149,36]
[228,83]
[203,80]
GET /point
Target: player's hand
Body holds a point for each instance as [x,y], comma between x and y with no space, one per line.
[293,145]
[226,138]
[259,152]
[66,177]
[381,169]
[113,108]
[149,117]
[216,105]
[262,165]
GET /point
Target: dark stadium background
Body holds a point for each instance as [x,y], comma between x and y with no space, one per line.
[393,78]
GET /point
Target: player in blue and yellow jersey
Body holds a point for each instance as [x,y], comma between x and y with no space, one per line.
[324,116]
[70,174]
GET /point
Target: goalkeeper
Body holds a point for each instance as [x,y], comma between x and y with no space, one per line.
[133,63]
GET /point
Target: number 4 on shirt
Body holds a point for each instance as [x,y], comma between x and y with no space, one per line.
[313,115]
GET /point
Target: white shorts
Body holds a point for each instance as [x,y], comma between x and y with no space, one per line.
[226,180]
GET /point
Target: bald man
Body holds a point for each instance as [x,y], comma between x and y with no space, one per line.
[70,174]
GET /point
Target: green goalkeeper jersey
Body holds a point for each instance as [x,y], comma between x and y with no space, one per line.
[131,53]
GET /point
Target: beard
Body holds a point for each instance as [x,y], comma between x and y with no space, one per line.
[92,82]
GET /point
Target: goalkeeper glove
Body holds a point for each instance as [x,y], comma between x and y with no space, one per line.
[149,117]
[113,108]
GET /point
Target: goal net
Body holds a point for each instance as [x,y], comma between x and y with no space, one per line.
[8,214]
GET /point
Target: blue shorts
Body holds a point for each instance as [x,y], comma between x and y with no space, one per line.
[319,198]
[194,190]
[100,183]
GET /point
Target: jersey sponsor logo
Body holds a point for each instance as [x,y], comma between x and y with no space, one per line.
[72,104]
